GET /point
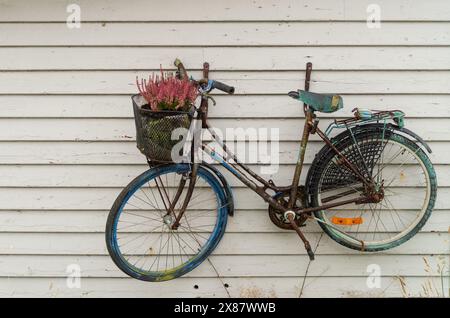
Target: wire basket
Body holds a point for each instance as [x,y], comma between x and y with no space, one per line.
[154,130]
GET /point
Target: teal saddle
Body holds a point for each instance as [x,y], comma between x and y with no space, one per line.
[325,103]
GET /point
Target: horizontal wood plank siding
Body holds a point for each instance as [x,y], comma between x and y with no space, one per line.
[232,10]
[67,137]
[226,34]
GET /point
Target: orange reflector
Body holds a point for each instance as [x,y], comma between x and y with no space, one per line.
[346,221]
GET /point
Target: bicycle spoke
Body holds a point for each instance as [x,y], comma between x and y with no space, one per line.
[400,176]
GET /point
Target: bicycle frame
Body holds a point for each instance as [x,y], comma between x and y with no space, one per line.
[251,179]
[310,127]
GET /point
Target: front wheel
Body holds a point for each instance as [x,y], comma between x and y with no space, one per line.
[405,185]
[140,235]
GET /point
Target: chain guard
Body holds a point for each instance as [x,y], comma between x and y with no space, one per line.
[277,216]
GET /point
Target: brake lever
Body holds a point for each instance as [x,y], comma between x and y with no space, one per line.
[212,99]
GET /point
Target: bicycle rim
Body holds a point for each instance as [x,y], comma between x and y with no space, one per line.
[142,241]
[402,170]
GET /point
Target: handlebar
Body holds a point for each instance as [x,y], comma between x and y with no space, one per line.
[207,85]
[223,87]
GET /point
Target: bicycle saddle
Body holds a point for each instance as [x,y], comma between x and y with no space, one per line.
[326,103]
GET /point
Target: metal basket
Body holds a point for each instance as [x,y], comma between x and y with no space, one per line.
[154,130]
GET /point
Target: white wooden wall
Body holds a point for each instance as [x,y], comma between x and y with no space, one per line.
[67,137]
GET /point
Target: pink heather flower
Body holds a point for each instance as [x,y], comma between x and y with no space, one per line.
[167,92]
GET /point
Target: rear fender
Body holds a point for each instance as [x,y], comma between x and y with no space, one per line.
[416,138]
[322,153]
[408,133]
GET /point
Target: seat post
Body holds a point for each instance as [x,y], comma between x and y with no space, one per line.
[305,137]
[307,81]
[301,157]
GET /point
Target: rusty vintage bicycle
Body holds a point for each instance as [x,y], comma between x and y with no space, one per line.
[371,187]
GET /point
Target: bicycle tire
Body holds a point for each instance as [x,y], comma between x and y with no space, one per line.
[341,142]
[133,187]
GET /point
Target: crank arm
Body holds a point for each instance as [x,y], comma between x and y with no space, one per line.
[291,218]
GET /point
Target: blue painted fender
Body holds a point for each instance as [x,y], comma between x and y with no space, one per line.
[225,185]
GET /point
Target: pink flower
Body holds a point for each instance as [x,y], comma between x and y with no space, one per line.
[166,92]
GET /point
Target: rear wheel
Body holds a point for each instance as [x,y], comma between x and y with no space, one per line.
[404,180]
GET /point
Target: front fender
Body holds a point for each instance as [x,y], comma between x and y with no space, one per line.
[225,184]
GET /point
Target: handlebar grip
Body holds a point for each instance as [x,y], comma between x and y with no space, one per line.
[223,87]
